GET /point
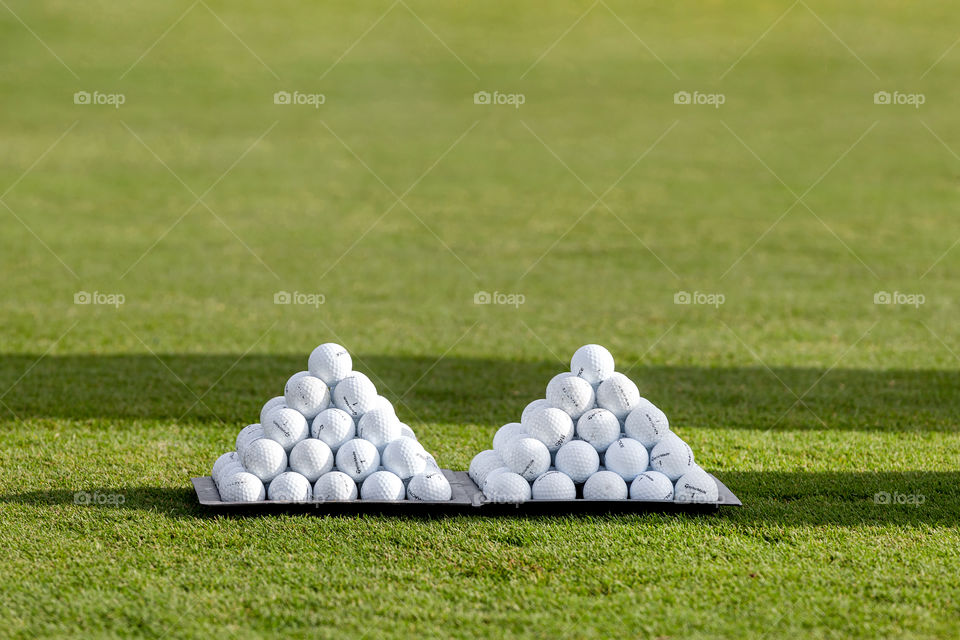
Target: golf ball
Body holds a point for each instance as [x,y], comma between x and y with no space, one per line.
[227,471]
[355,395]
[308,395]
[335,486]
[380,426]
[405,457]
[571,394]
[696,485]
[491,475]
[311,458]
[506,434]
[247,435]
[482,464]
[265,459]
[618,395]
[506,487]
[333,426]
[605,485]
[286,426]
[271,404]
[593,363]
[599,427]
[430,487]
[646,424]
[650,486]
[292,379]
[626,457]
[578,460]
[553,485]
[242,487]
[330,362]
[384,486]
[231,457]
[407,432]
[532,407]
[358,459]
[290,486]
[551,426]
[528,457]
[672,457]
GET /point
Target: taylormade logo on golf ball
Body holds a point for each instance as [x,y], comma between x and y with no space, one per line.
[911,99]
[98,298]
[898,298]
[697,98]
[511,299]
[513,99]
[296,297]
[699,297]
[312,99]
[112,99]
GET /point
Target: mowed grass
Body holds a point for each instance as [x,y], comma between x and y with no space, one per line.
[398,199]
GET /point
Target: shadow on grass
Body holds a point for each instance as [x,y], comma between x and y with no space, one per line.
[487,392]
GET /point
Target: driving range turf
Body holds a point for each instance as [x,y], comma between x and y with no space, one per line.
[598,200]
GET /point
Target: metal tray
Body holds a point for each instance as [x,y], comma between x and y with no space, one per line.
[467,499]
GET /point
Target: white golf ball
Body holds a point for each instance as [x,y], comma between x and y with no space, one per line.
[407,432]
[358,459]
[405,457]
[227,471]
[382,403]
[231,457]
[605,485]
[270,405]
[430,487]
[247,435]
[593,363]
[553,485]
[311,458]
[618,395]
[292,379]
[646,424]
[380,426]
[696,485]
[384,486]
[491,475]
[290,486]
[333,426]
[482,464]
[286,426]
[553,427]
[330,362]
[672,457]
[355,395]
[578,460]
[599,427]
[265,458]
[626,457]
[506,487]
[533,406]
[308,395]
[506,434]
[528,457]
[650,486]
[242,487]
[571,394]
[335,486]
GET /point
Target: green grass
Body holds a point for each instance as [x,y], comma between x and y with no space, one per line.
[134,401]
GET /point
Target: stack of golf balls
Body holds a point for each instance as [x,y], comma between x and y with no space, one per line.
[592,436]
[329,437]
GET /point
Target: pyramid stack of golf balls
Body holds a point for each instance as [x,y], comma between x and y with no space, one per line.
[329,437]
[592,431]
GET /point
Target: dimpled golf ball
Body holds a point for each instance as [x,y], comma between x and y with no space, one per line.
[672,457]
[578,459]
[311,458]
[618,395]
[308,395]
[358,459]
[227,471]
[404,457]
[528,457]
[571,394]
[407,432]
[532,407]
[593,363]
[355,395]
[696,485]
[290,486]
[626,457]
[553,427]
[651,485]
[506,434]
[231,457]
[265,458]
[380,402]
[333,426]
[493,474]
[482,464]
[242,487]
[380,426]
[599,427]
[247,435]
[553,485]
[605,485]
[646,424]
[384,486]
[429,487]
[506,487]
[286,426]
[335,486]
[330,362]
[270,405]
[292,379]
